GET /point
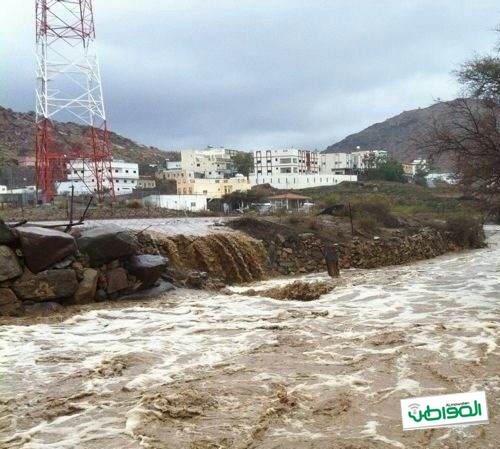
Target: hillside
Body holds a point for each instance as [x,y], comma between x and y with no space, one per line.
[17,139]
[399,135]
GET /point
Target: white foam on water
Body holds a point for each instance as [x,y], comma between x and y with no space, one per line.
[370,430]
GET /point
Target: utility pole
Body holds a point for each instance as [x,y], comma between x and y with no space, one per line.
[69,89]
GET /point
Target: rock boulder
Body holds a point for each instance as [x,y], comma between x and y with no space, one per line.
[9,304]
[46,285]
[147,268]
[9,265]
[43,248]
[116,280]
[87,287]
[7,237]
[106,243]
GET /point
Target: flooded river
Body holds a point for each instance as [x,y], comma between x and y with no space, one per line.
[201,370]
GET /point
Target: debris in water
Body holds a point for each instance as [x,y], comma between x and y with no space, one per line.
[297,291]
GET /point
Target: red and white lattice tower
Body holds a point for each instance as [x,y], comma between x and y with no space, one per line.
[69,89]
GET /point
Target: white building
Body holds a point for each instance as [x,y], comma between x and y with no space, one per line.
[300,180]
[3,189]
[24,190]
[124,174]
[363,159]
[335,163]
[173,165]
[178,202]
[283,161]
[208,163]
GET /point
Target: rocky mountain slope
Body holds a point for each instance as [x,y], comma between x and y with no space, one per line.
[17,139]
[399,135]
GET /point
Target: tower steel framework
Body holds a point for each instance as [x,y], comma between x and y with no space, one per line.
[69,89]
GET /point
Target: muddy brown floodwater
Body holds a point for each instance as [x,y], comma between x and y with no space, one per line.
[200,370]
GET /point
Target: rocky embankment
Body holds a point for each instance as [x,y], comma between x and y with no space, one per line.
[42,269]
[290,252]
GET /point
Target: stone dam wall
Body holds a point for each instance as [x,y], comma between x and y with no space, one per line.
[43,269]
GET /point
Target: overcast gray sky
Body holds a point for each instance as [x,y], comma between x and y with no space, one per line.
[244,74]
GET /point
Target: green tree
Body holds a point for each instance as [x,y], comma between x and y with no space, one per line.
[243,162]
[386,169]
[420,175]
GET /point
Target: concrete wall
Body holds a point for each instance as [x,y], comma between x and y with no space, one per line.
[300,180]
[178,202]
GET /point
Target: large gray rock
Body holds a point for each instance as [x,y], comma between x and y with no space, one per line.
[7,237]
[43,308]
[106,243]
[9,265]
[147,268]
[43,248]
[46,286]
[116,280]
[9,304]
[87,287]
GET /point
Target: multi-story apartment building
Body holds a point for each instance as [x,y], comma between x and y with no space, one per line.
[282,161]
[298,169]
[146,182]
[335,163]
[125,176]
[209,163]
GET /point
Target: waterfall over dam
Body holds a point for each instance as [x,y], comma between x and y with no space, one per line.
[231,257]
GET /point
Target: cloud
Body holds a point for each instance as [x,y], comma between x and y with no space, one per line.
[262,73]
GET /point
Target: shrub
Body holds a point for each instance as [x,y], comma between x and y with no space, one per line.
[378,208]
[293,219]
[313,224]
[465,231]
[368,223]
[329,199]
[135,204]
